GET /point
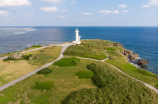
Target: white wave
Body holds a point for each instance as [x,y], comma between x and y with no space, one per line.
[27,29]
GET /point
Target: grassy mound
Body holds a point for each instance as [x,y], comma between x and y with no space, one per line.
[114,88]
[84,74]
[45,71]
[65,62]
[45,85]
[88,49]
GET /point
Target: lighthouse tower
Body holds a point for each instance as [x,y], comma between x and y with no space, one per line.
[77,41]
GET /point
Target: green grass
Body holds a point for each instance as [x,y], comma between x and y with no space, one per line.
[37,46]
[100,56]
[88,49]
[118,60]
[45,71]
[84,74]
[65,62]
[45,55]
[65,82]
[45,85]
[114,88]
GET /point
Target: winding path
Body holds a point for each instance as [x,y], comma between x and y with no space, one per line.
[149,86]
[64,47]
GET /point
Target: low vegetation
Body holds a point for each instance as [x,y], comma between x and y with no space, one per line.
[88,49]
[45,55]
[113,88]
[65,62]
[118,60]
[45,71]
[45,85]
[13,69]
[83,81]
[36,46]
[65,82]
[84,74]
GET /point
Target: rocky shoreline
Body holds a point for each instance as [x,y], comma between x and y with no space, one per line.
[132,56]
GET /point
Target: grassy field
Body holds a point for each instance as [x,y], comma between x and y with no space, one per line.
[113,88]
[11,70]
[89,49]
[45,55]
[107,86]
[14,69]
[65,82]
[118,60]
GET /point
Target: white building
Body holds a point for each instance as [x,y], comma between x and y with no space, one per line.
[77,41]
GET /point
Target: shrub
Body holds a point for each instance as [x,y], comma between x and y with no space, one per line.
[26,57]
[9,59]
[45,71]
[64,62]
[100,78]
[85,74]
[36,46]
[45,85]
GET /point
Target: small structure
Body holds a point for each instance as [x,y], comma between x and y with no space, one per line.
[77,41]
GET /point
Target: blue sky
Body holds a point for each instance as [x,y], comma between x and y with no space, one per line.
[78,12]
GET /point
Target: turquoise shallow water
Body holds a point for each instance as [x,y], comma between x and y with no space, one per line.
[141,40]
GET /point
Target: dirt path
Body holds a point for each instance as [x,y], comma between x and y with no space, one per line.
[149,86]
[64,47]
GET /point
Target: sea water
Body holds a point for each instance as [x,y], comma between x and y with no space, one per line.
[141,40]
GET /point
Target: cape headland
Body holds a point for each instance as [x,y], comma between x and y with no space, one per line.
[81,76]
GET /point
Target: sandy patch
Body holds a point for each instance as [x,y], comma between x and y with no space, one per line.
[14,69]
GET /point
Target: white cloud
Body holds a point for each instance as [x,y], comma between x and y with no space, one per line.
[53,1]
[145,6]
[6,3]
[49,9]
[115,12]
[153,2]
[73,2]
[122,6]
[106,12]
[4,13]
[124,11]
[87,13]
[61,16]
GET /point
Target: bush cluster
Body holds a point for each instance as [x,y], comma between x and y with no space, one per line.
[85,74]
[100,78]
[45,85]
[65,62]
[45,71]
[26,57]
[114,88]
[9,59]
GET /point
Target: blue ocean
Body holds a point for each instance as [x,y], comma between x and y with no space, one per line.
[141,40]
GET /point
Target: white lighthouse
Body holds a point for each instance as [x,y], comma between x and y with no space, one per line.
[77,41]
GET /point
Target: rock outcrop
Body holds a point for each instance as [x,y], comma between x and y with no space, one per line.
[117,44]
[17,55]
[142,62]
[130,55]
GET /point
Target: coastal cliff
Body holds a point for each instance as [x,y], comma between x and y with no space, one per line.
[131,56]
